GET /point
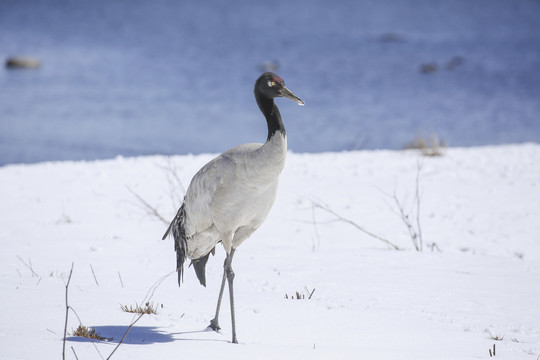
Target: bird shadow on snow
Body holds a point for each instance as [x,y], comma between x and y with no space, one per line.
[140,335]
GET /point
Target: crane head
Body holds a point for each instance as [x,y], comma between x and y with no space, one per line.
[272,86]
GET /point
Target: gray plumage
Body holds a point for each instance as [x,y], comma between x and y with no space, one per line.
[230,197]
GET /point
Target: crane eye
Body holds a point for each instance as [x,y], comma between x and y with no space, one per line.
[271,83]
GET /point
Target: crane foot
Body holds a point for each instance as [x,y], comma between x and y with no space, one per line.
[214,325]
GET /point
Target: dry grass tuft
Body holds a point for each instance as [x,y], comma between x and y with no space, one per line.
[89,333]
[148,308]
[431,146]
[299,296]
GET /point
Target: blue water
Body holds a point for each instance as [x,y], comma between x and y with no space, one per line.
[133,77]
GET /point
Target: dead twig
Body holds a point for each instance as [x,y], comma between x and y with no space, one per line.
[348,221]
[175,183]
[412,232]
[149,208]
[309,293]
[491,354]
[67,313]
[125,334]
[95,279]
[74,353]
[147,298]
[34,274]
[316,244]
[120,277]
[417,194]
[68,307]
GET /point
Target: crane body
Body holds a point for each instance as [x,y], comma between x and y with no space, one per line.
[231,196]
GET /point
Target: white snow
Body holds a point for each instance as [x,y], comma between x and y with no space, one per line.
[481,206]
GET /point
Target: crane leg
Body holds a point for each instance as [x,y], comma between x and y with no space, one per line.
[214,323]
[228,274]
[230,277]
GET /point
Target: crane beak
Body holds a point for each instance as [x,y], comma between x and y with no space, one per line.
[289,95]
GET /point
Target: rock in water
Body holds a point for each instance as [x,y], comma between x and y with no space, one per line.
[20,62]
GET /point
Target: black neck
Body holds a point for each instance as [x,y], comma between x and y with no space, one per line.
[272,115]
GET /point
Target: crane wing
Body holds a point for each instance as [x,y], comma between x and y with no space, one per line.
[204,186]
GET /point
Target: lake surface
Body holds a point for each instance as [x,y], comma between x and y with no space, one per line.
[173,77]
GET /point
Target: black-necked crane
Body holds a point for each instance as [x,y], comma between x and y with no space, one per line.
[230,197]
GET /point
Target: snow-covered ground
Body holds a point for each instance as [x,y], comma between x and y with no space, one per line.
[480,206]
[146,77]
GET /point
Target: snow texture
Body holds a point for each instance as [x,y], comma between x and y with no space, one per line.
[480,206]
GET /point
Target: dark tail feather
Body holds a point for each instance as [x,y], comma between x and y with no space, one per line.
[200,268]
[180,259]
[180,242]
[168,230]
